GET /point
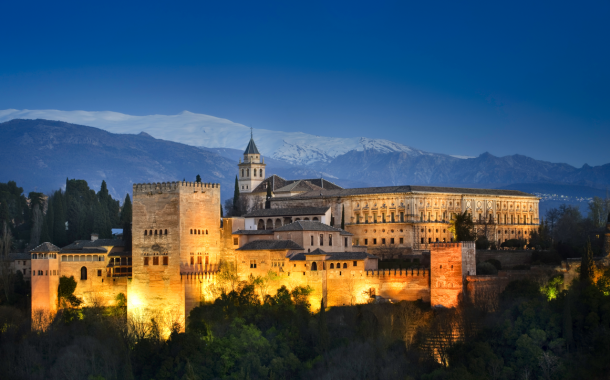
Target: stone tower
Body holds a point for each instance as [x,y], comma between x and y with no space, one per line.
[252,169]
[45,278]
[176,230]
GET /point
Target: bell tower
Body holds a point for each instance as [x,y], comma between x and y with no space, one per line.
[251,172]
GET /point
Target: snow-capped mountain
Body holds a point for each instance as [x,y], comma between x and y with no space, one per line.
[212,132]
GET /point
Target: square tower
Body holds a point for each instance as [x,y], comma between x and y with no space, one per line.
[172,223]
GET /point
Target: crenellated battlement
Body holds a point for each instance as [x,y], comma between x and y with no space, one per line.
[468,244]
[411,272]
[169,186]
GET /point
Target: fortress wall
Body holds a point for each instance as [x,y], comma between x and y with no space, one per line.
[446,279]
[197,289]
[347,287]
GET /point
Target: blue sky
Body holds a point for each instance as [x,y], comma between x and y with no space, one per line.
[451,77]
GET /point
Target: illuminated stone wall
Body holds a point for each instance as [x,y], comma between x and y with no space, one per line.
[446,277]
[45,281]
[190,213]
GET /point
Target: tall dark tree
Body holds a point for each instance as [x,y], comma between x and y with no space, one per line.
[126,215]
[587,265]
[59,223]
[236,198]
[50,218]
[198,178]
[323,336]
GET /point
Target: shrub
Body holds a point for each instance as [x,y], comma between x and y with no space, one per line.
[486,268]
[482,243]
[495,263]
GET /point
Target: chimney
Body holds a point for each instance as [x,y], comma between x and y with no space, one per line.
[94,236]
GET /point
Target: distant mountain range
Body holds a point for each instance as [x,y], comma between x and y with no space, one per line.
[40,154]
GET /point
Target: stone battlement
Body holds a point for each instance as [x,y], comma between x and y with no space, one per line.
[398,272]
[468,244]
[168,186]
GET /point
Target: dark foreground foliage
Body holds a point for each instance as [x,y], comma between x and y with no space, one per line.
[531,331]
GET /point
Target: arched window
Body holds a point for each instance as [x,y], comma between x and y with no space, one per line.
[305,218]
[83,273]
[150,232]
[332,266]
[206,232]
[145,232]
[261,225]
[278,223]
[192,260]
[261,172]
[269,224]
[344,265]
[198,232]
[314,266]
[315,219]
[166,232]
[155,232]
[254,172]
[191,231]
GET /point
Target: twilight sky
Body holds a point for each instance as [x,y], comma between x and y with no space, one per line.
[447,77]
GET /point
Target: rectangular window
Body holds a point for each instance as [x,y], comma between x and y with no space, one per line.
[355,263]
[99,273]
[252,264]
[429,240]
[383,241]
[346,242]
[391,240]
[155,261]
[392,217]
[199,260]
[366,241]
[383,218]
[401,241]
[146,261]
[235,241]
[321,240]
[311,240]
[422,240]
[402,216]
[374,241]
[165,260]
[330,240]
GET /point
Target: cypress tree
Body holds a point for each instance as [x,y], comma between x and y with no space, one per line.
[343,218]
[126,214]
[221,213]
[50,218]
[587,265]
[236,198]
[322,329]
[198,178]
[44,233]
[59,223]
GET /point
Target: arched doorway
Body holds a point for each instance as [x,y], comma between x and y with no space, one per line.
[261,225]
[314,266]
[83,273]
[269,224]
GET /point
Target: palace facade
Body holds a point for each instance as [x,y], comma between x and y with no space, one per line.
[180,244]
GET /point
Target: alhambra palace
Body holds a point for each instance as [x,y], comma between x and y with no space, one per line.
[180,242]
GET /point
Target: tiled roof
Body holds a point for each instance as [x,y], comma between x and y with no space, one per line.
[276,182]
[83,251]
[258,245]
[287,211]
[325,193]
[332,256]
[80,244]
[308,225]
[46,247]
[253,232]
[19,256]
[251,148]
[300,185]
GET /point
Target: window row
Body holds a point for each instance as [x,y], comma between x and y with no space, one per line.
[155,260]
[156,232]
[314,265]
[321,241]
[53,272]
[436,241]
[200,260]
[82,258]
[199,232]
[391,218]
[44,255]
[383,241]
[254,171]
